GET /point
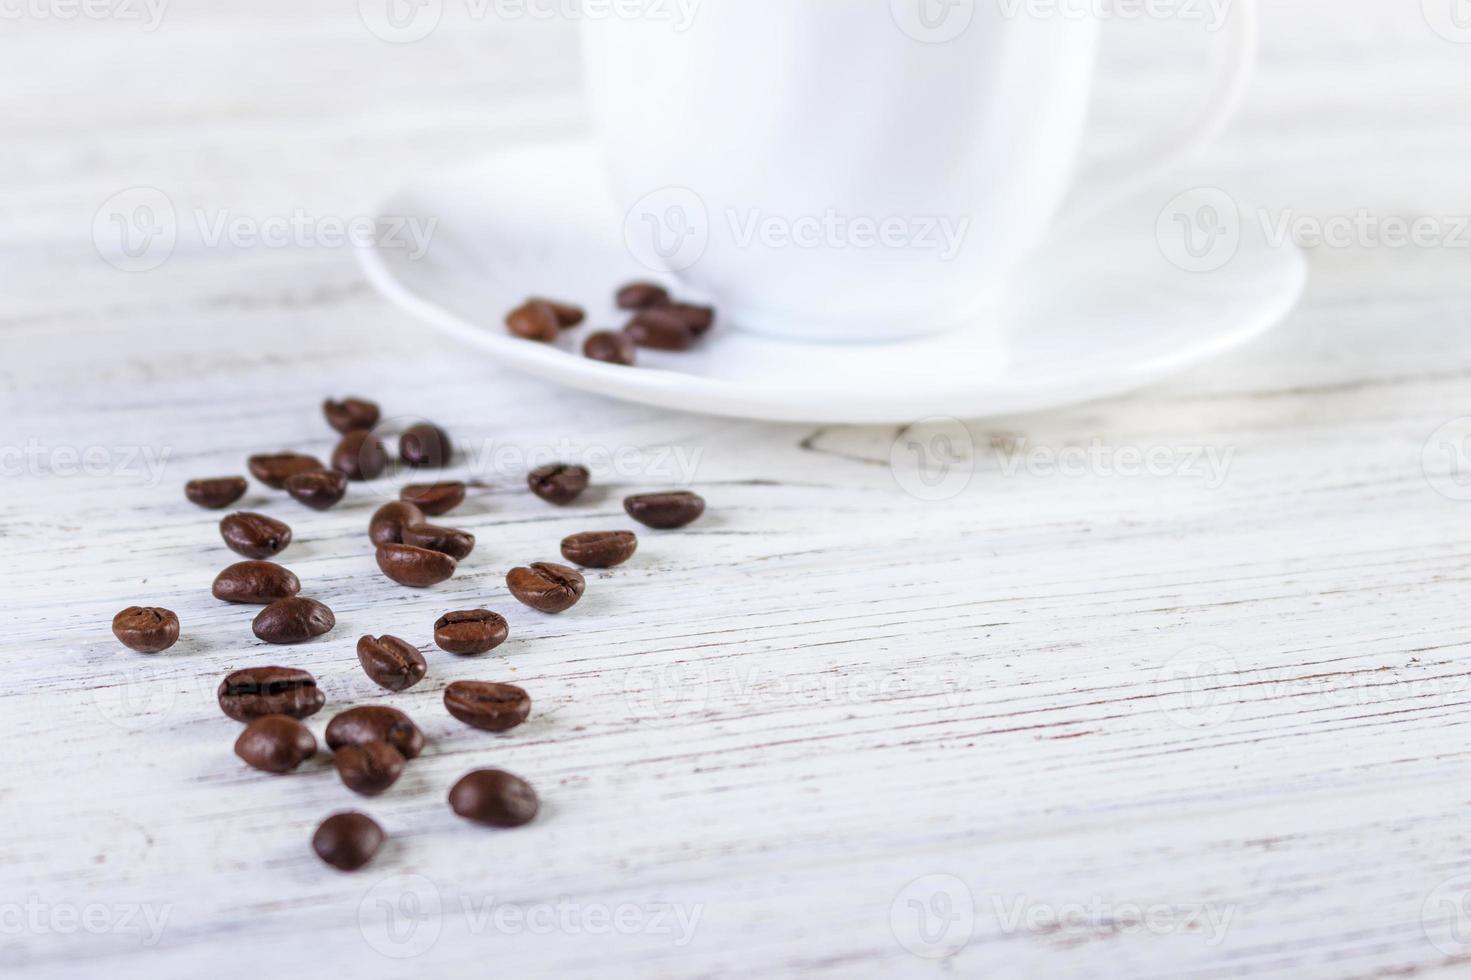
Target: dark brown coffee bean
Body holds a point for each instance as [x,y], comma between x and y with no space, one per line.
[147,629]
[255,692]
[350,413]
[272,469]
[558,483]
[216,492]
[434,498]
[319,489]
[641,296]
[445,540]
[546,587]
[610,348]
[660,330]
[567,315]
[493,797]
[254,535]
[390,662]
[425,445]
[599,549]
[293,620]
[418,568]
[369,768]
[275,743]
[471,631]
[347,841]
[534,321]
[360,456]
[375,723]
[486,705]
[388,522]
[256,583]
[665,511]
[698,318]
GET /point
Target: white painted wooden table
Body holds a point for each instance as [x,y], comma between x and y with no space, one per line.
[838,728]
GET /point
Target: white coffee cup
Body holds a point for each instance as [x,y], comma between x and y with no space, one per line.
[858,170]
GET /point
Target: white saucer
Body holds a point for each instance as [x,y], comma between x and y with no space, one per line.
[1096,313]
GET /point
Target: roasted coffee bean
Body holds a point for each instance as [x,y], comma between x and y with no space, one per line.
[416,567]
[216,492]
[546,587]
[660,329]
[599,549]
[360,456]
[641,296]
[534,321]
[425,445]
[698,318]
[375,723]
[486,705]
[390,662]
[293,620]
[350,413]
[256,583]
[347,841]
[275,743]
[445,540]
[319,489]
[610,348]
[369,768]
[254,535]
[470,631]
[388,522]
[434,498]
[493,797]
[665,511]
[272,469]
[567,314]
[147,629]
[557,483]
[255,692]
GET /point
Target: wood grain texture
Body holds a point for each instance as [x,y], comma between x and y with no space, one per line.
[1230,695]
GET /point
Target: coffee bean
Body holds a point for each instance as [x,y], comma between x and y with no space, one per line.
[388,522]
[275,743]
[641,296]
[534,321]
[257,583]
[558,483]
[293,620]
[546,587]
[610,348]
[418,568]
[147,629]
[698,318]
[660,329]
[254,535]
[425,445]
[216,492]
[488,706]
[369,768]
[567,314]
[255,692]
[390,662]
[360,456]
[350,413]
[665,511]
[599,549]
[347,841]
[493,797]
[471,631]
[272,469]
[375,723]
[319,489]
[434,498]
[445,540]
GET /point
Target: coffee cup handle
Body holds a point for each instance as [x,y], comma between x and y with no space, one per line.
[1111,181]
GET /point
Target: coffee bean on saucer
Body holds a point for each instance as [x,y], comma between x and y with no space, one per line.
[698,318]
[369,768]
[494,797]
[256,583]
[445,540]
[255,692]
[610,348]
[425,445]
[347,841]
[375,723]
[272,469]
[360,455]
[599,549]
[418,568]
[486,705]
[390,662]
[546,587]
[147,629]
[567,315]
[558,483]
[216,492]
[275,743]
[641,296]
[470,631]
[319,489]
[254,535]
[434,498]
[293,620]
[350,413]
[661,330]
[534,321]
[665,511]
[388,522]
